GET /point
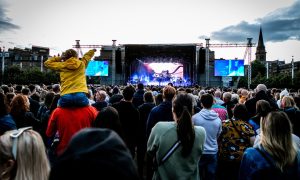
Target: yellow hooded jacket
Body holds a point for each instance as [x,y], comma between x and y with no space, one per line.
[72,72]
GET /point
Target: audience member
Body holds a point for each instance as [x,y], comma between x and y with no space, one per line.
[23,155]
[289,107]
[236,136]
[144,111]
[186,139]
[21,114]
[275,157]
[6,121]
[33,104]
[261,90]
[95,153]
[228,104]
[108,117]
[100,100]
[162,112]
[262,110]
[138,95]
[68,121]
[129,117]
[72,77]
[116,96]
[212,124]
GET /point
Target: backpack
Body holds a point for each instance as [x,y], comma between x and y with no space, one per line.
[233,145]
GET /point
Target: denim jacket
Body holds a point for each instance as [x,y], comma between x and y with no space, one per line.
[253,164]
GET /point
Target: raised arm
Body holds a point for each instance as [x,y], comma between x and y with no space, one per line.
[54,63]
[88,56]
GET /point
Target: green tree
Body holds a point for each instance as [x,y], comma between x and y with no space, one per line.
[257,67]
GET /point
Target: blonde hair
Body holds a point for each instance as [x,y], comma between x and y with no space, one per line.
[288,102]
[276,138]
[31,159]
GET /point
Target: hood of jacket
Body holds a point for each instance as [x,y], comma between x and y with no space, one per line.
[208,114]
[72,63]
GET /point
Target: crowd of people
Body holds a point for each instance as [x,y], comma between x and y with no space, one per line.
[221,132]
[75,131]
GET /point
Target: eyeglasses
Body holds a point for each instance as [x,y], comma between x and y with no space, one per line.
[14,135]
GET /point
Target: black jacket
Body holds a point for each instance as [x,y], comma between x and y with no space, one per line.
[251,104]
[129,118]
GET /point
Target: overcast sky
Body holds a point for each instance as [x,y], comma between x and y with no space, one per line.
[58,23]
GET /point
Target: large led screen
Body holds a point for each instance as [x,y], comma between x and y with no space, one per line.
[97,68]
[230,67]
[154,72]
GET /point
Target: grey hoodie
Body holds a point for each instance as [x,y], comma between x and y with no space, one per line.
[212,124]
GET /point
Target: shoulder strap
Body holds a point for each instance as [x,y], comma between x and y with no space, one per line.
[270,162]
[169,152]
[265,157]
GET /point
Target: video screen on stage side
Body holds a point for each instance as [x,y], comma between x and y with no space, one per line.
[230,67]
[97,68]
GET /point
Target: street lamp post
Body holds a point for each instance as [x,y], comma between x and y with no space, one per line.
[3,57]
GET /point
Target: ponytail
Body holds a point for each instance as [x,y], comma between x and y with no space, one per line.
[185,132]
[182,107]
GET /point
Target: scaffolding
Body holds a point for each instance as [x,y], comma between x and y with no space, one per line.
[248,52]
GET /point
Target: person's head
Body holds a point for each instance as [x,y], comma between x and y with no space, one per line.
[235,98]
[35,96]
[263,107]
[158,99]
[297,101]
[276,138]
[54,102]
[244,93]
[9,97]
[108,118]
[115,90]
[182,114]
[23,155]
[56,88]
[5,88]
[140,86]
[261,87]
[69,54]
[100,96]
[95,153]
[218,94]
[128,92]
[48,99]
[227,97]
[240,112]
[169,93]
[288,102]
[148,97]
[3,105]
[19,105]
[32,88]
[25,91]
[18,89]
[207,101]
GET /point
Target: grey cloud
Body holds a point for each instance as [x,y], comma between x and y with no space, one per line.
[5,22]
[279,25]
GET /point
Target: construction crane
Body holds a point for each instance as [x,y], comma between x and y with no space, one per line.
[248,46]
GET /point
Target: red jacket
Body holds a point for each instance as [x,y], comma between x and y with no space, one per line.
[68,121]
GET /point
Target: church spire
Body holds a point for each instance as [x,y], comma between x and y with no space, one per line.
[260,49]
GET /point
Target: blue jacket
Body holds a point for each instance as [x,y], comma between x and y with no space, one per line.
[162,112]
[7,123]
[255,166]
